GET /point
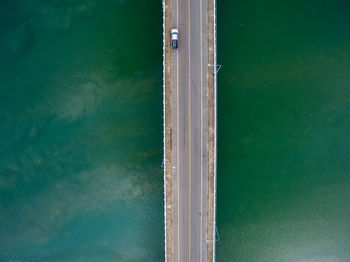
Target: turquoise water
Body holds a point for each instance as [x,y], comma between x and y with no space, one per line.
[284,125]
[81,131]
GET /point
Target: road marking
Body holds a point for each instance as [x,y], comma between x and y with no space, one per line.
[201,229]
[189,129]
[177,139]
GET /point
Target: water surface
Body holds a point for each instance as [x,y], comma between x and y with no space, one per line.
[81,130]
[284,127]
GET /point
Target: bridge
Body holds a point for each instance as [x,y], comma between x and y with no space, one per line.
[189,89]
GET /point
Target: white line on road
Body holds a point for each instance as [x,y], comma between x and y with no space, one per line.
[177,139]
[201,229]
[189,131]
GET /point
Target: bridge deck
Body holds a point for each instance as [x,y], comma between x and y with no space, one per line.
[190,130]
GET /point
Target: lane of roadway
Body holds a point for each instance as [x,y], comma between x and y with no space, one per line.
[190,130]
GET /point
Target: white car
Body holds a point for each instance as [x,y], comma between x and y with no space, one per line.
[174,38]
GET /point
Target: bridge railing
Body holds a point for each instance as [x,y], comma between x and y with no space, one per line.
[215,123]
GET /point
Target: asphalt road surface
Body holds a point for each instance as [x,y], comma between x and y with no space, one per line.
[189,87]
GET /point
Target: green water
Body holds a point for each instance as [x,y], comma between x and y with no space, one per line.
[81,132]
[284,131]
